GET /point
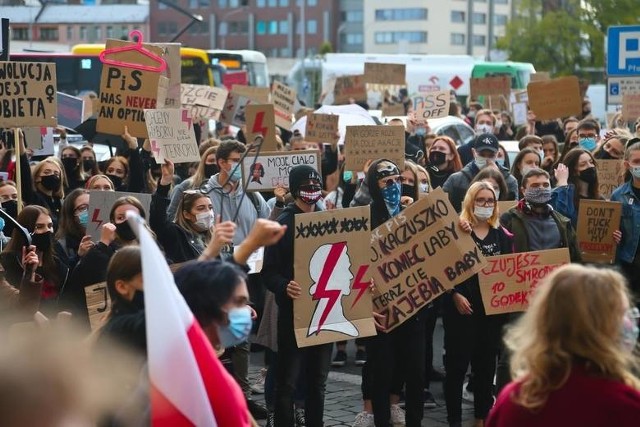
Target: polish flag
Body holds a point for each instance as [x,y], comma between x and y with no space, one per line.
[188,384]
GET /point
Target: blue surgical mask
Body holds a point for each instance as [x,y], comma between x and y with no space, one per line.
[500,161]
[347,176]
[391,196]
[420,131]
[588,143]
[238,329]
[1,223]
[635,171]
[235,172]
[83,218]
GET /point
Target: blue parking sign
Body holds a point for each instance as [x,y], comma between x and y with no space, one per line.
[623,50]
[614,89]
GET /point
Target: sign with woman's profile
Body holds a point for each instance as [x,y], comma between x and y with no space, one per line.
[331,263]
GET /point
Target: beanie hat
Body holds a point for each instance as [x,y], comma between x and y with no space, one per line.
[300,174]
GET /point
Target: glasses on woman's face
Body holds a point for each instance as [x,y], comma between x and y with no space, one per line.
[481,201]
[80,208]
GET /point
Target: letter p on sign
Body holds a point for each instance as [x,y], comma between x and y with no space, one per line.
[623,51]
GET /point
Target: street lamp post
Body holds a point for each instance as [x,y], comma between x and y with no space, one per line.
[223,21]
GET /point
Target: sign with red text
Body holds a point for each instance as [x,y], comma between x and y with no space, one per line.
[364,143]
[419,254]
[321,128]
[261,122]
[331,265]
[271,169]
[240,78]
[609,176]
[431,106]
[233,112]
[552,99]
[348,88]
[204,102]
[171,135]
[390,74]
[597,220]
[284,99]
[28,94]
[507,282]
[100,204]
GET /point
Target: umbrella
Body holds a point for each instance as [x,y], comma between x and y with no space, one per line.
[348,115]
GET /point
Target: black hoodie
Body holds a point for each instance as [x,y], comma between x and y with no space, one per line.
[379,211]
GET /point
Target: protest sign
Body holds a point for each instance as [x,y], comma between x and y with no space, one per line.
[271,169]
[347,87]
[609,176]
[432,105]
[331,266]
[508,281]
[233,112]
[505,205]
[519,113]
[552,99]
[363,143]
[540,76]
[126,91]
[171,54]
[240,78]
[500,85]
[390,74]
[284,99]
[392,109]
[321,128]
[171,135]
[70,110]
[631,106]
[419,254]
[597,220]
[41,140]
[204,102]
[261,121]
[28,94]
[100,204]
[98,304]
[262,95]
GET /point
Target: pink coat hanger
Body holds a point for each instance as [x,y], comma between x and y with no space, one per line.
[137,47]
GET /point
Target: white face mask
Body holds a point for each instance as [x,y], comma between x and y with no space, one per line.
[483,128]
[498,124]
[424,187]
[497,193]
[204,220]
[483,212]
[481,162]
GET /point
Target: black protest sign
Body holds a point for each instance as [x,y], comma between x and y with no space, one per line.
[28,94]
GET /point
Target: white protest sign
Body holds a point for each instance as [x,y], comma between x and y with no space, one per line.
[271,169]
[100,204]
[171,135]
[432,105]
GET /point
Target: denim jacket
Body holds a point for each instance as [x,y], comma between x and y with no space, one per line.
[630,223]
[563,202]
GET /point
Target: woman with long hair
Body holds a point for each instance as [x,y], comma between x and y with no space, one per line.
[49,181]
[89,162]
[570,142]
[100,182]
[496,179]
[444,160]
[470,335]
[72,243]
[71,160]
[205,170]
[572,354]
[526,159]
[551,152]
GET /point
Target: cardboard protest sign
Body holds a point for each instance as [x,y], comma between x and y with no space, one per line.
[100,204]
[204,102]
[500,85]
[392,110]
[505,205]
[98,304]
[331,266]
[171,54]
[41,140]
[261,121]
[28,94]
[363,143]
[171,135]
[392,74]
[540,76]
[508,281]
[597,220]
[631,106]
[284,99]
[233,112]
[419,254]
[321,128]
[519,113]
[432,105]
[552,99]
[126,92]
[232,78]
[70,110]
[347,87]
[262,95]
[271,169]
[609,176]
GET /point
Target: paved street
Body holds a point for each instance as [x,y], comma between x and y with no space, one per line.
[344,398]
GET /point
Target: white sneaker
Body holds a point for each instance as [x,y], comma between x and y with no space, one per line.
[397,415]
[364,419]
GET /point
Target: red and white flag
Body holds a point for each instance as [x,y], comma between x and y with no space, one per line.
[188,384]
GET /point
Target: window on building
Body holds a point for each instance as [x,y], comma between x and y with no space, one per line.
[479,40]
[124,30]
[501,1]
[500,19]
[312,26]
[83,33]
[48,33]
[457,39]
[223,3]
[261,3]
[354,38]
[109,32]
[406,14]
[312,2]
[272,27]
[98,32]
[19,33]
[479,18]
[285,52]
[204,3]
[284,27]
[283,3]
[390,37]
[352,16]
[273,3]
[261,28]
[457,16]
[234,3]
[238,27]
[69,32]
[480,1]
[193,4]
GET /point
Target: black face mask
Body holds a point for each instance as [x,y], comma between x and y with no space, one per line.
[437,158]
[138,300]
[124,231]
[603,154]
[88,164]
[409,190]
[50,182]
[42,241]
[117,181]
[210,170]
[589,175]
[11,207]
[70,165]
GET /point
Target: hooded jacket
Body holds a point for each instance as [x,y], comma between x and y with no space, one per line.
[458,183]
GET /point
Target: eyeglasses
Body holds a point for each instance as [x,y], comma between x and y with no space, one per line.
[391,181]
[80,209]
[485,202]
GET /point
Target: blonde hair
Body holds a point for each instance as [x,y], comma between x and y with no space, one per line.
[574,317]
[469,203]
[37,170]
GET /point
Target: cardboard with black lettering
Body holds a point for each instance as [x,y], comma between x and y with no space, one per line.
[363,143]
[556,98]
[500,85]
[597,220]
[321,128]
[261,121]
[331,265]
[271,169]
[284,99]
[70,110]
[508,282]
[390,74]
[431,105]
[98,304]
[28,94]
[349,87]
[419,254]
[204,102]
[171,135]
[100,204]
[126,92]
[392,109]
[609,176]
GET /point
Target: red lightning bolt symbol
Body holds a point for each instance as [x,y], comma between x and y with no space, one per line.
[321,289]
[95,218]
[186,118]
[359,284]
[258,128]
